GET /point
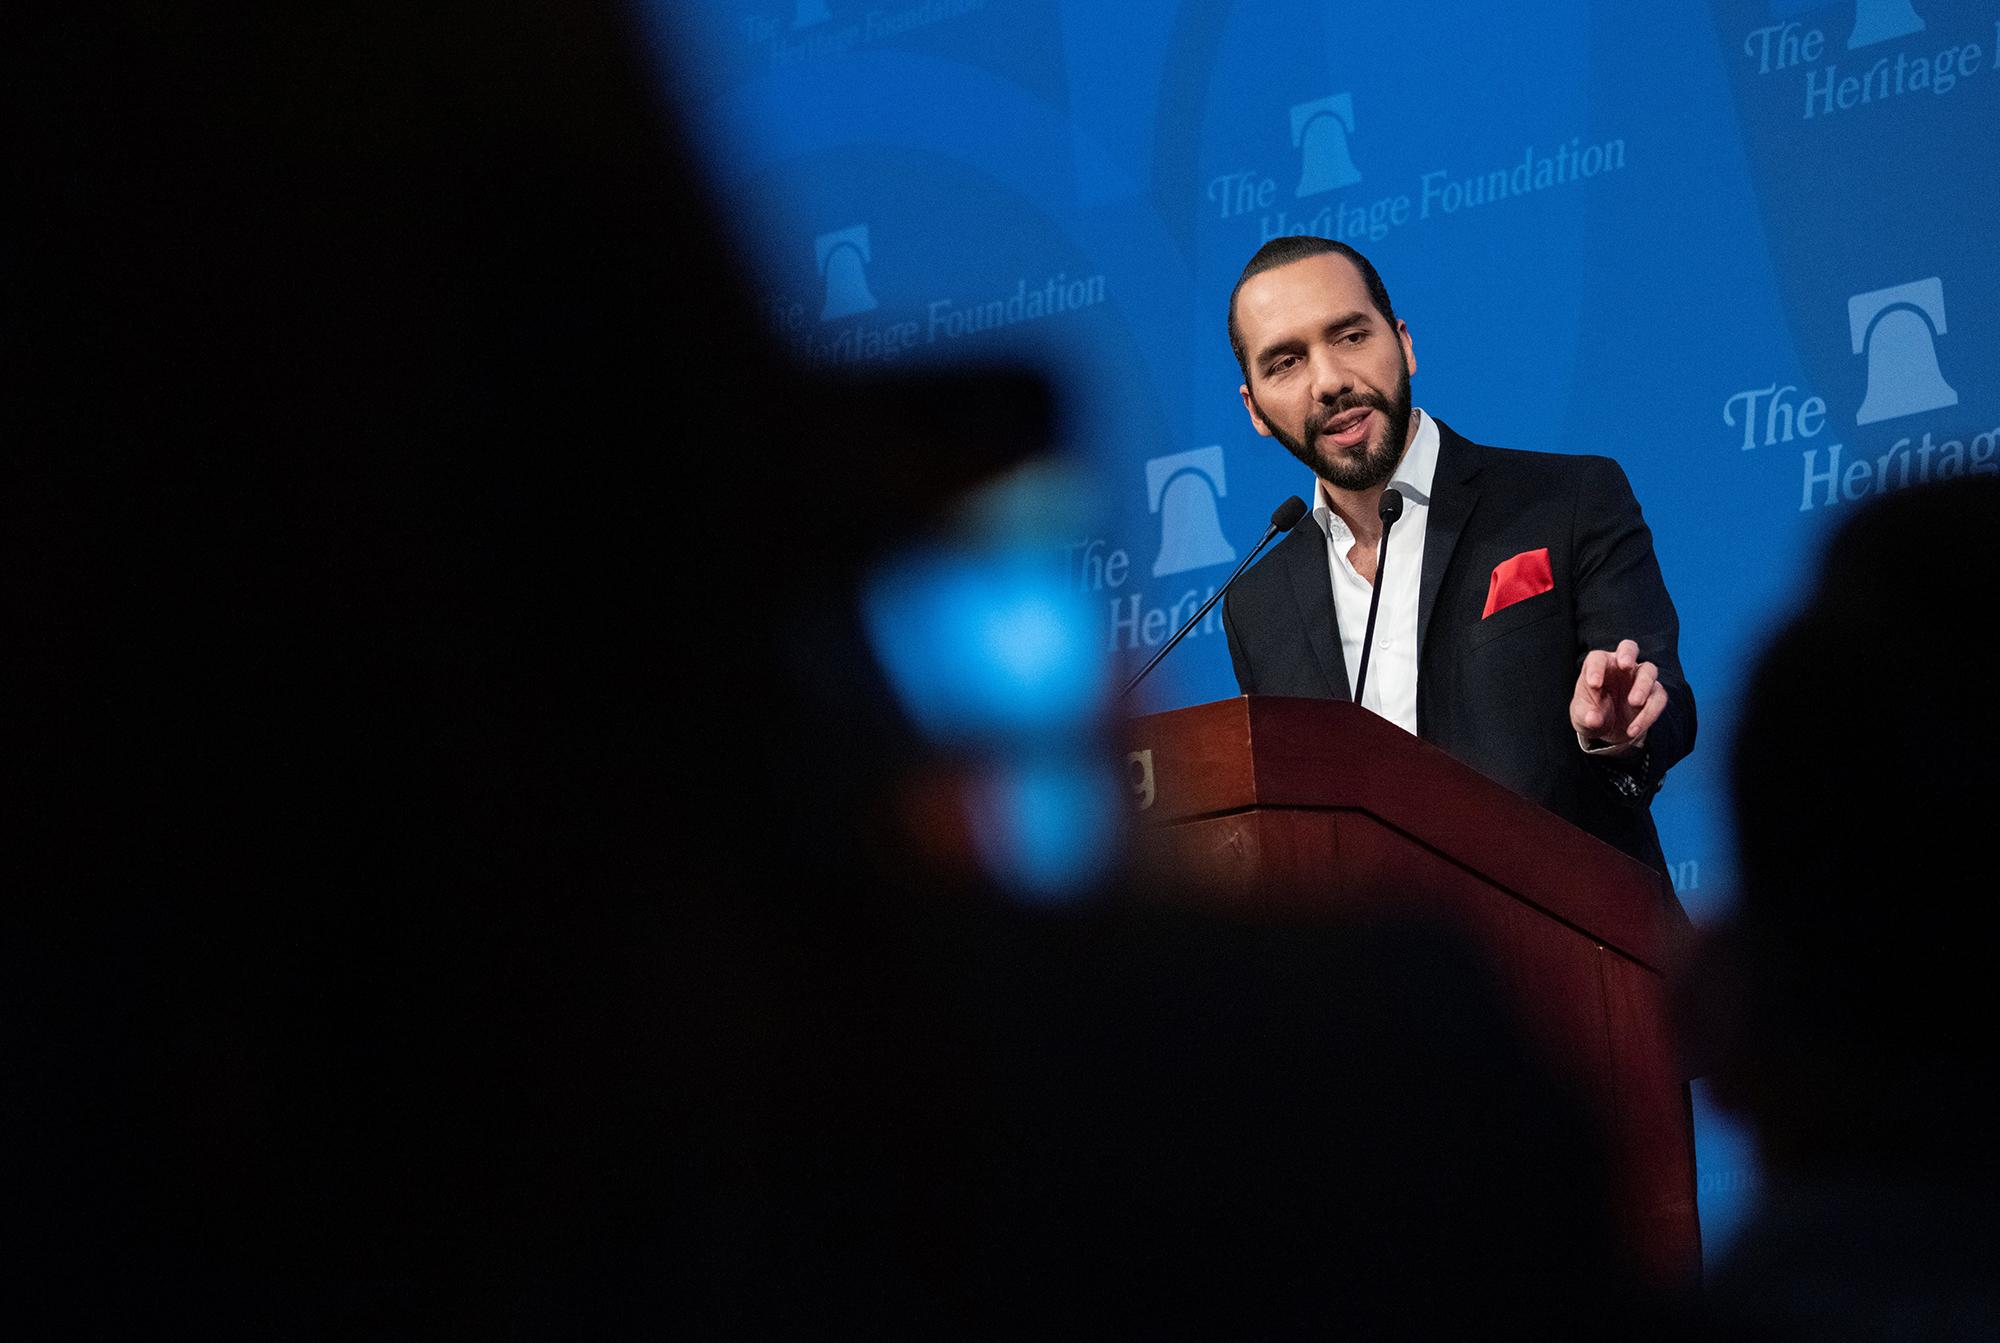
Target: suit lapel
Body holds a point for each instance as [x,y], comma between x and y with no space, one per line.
[1454,495]
[1304,553]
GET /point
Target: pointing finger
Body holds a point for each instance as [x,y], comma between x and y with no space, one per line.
[1628,654]
[1656,704]
[1642,684]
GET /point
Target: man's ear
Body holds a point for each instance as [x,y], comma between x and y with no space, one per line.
[1256,420]
[1409,348]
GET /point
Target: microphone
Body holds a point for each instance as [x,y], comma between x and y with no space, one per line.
[1390,510]
[1283,518]
[1286,516]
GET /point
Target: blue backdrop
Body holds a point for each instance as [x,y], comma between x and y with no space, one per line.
[1745,247]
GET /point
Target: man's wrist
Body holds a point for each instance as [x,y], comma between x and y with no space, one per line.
[1628,768]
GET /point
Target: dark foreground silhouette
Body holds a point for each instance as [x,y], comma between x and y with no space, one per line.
[1848,1006]
[466,897]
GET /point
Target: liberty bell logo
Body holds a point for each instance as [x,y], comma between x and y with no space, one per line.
[806,13]
[1879,20]
[842,255]
[1898,328]
[1182,489]
[1320,130]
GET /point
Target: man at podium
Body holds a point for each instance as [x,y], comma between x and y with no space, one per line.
[1513,585]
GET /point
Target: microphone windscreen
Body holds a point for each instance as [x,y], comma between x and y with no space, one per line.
[1286,516]
[1392,505]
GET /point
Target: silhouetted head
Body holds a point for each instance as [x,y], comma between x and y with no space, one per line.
[1865,794]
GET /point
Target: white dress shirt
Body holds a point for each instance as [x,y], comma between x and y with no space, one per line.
[1392,666]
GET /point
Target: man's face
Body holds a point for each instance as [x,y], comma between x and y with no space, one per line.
[1328,376]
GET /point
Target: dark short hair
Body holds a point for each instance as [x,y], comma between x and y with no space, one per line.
[1283,252]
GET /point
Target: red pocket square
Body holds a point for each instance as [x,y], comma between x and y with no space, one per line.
[1526,575]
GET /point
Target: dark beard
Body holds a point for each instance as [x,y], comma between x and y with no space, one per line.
[1380,457]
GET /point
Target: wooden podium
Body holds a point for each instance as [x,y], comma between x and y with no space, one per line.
[1292,806]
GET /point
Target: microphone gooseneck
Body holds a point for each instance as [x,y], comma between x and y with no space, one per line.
[1391,508]
[1283,518]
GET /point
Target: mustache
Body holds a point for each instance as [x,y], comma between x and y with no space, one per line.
[1317,422]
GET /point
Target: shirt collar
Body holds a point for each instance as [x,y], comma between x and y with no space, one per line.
[1413,477]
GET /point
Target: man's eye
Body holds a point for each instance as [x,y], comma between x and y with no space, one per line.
[1280,365]
[1355,337]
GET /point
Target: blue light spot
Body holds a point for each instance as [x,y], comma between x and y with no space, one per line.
[1048,830]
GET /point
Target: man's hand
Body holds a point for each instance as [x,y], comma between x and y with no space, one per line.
[1617,696]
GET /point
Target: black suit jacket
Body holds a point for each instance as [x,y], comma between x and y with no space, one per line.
[1495,692]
